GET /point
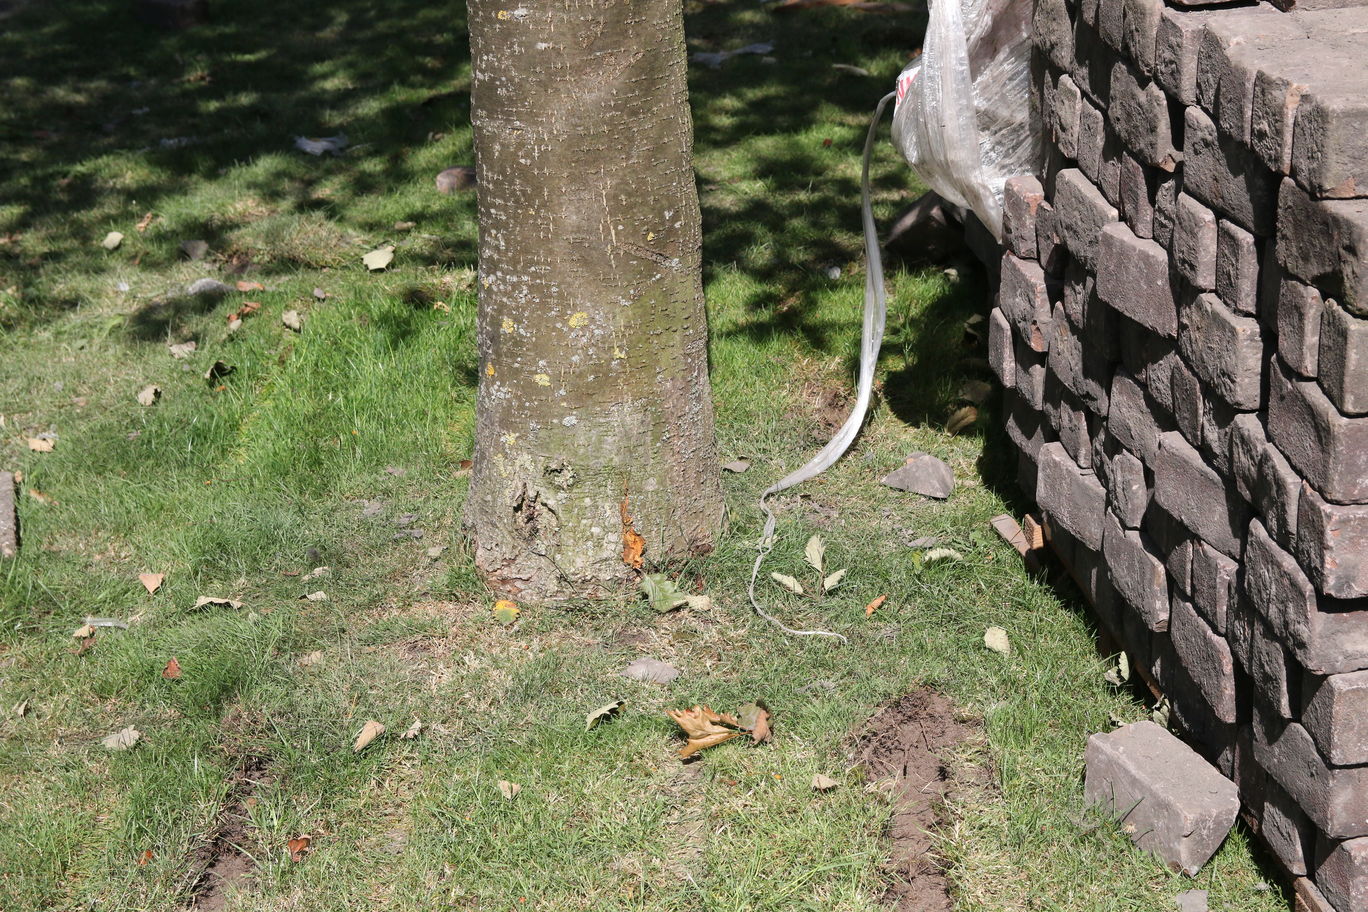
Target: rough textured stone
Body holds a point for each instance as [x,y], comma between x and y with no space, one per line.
[1224,349]
[1177,43]
[1139,114]
[1092,139]
[1030,373]
[1342,874]
[1130,420]
[1137,206]
[1336,799]
[1207,658]
[1073,498]
[9,519]
[1024,296]
[1083,212]
[1137,573]
[1111,22]
[1297,316]
[1286,830]
[1196,496]
[1232,44]
[1277,495]
[1332,544]
[1173,802]
[1328,449]
[1070,421]
[1050,251]
[1306,898]
[1237,268]
[1052,32]
[1025,429]
[1343,359]
[924,474]
[1000,348]
[1127,492]
[1063,116]
[1247,442]
[1225,175]
[1324,641]
[1330,135]
[1022,196]
[1336,716]
[1081,368]
[1133,277]
[1194,242]
[1188,400]
[1325,243]
[1140,28]
[1213,584]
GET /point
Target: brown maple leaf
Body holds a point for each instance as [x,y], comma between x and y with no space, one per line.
[704,728]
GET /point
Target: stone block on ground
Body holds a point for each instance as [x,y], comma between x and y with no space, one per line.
[1170,800]
[1022,197]
[924,474]
[9,518]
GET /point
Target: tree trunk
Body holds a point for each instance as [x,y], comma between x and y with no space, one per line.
[594,420]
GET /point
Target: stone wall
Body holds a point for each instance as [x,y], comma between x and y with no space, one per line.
[1182,331]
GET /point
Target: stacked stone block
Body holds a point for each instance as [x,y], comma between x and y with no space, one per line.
[1182,333]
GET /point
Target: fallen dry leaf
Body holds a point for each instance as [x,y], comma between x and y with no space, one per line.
[112,240]
[21,709]
[377,260]
[85,630]
[603,714]
[41,497]
[754,718]
[961,420]
[995,638]
[319,596]
[822,783]
[704,728]
[633,545]
[85,645]
[299,847]
[250,286]
[145,857]
[217,602]
[182,350]
[145,221]
[151,581]
[41,444]
[122,740]
[412,731]
[510,789]
[369,732]
[875,605]
[148,395]
[292,320]
[310,658]
[172,671]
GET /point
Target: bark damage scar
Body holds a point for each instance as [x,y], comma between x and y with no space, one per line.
[646,253]
[633,545]
[533,518]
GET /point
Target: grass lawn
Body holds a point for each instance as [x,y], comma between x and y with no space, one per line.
[338,445]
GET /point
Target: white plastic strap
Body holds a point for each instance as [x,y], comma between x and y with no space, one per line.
[871,339]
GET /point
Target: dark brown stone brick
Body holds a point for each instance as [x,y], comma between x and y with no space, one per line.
[1325,243]
[1130,419]
[1022,197]
[1328,449]
[1237,268]
[1298,316]
[1136,572]
[1175,54]
[1336,716]
[1206,657]
[1225,175]
[1196,496]
[1332,544]
[1025,298]
[1195,235]
[1286,830]
[1000,348]
[1213,584]
[1133,277]
[1128,493]
[1083,213]
[1344,359]
[1224,349]
[1073,497]
[1342,874]
[1139,114]
[1336,799]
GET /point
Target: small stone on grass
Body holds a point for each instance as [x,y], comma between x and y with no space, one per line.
[922,474]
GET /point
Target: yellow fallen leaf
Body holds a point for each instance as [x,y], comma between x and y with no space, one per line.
[510,789]
[379,259]
[704,728]
[506,612]
[412,731]
[40,445]
[369,732]
[151,581]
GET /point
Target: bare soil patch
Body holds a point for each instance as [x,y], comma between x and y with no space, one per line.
[221,861]
[908,743]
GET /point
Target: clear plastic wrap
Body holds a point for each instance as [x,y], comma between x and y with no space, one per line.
[963,118]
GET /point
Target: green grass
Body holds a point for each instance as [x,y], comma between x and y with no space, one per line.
[235,487]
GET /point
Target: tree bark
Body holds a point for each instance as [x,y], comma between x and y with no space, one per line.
[594,418]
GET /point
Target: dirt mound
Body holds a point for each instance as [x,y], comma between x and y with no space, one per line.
[907,742]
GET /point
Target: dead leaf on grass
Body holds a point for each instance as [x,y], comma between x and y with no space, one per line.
[962,420]
[151,581]
[145,221]
[754,718]
[412,731]
[319,596]
[85,645]
[995,638]
[112,240]
[42,498]
[310,658]
[145,857]
[182,350]
[378,259]
[510,789]
[506,612]
[822,783]
[369,732]
[704,728]
[84,631]
[788,582]
[172,671]
[217,602]
[21,709]
[603,714]
[292,320]
[299,847]
[831,582]
[41,444]
[250,286]
[736,466]
[121,740]
[815,553]
[875,605]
